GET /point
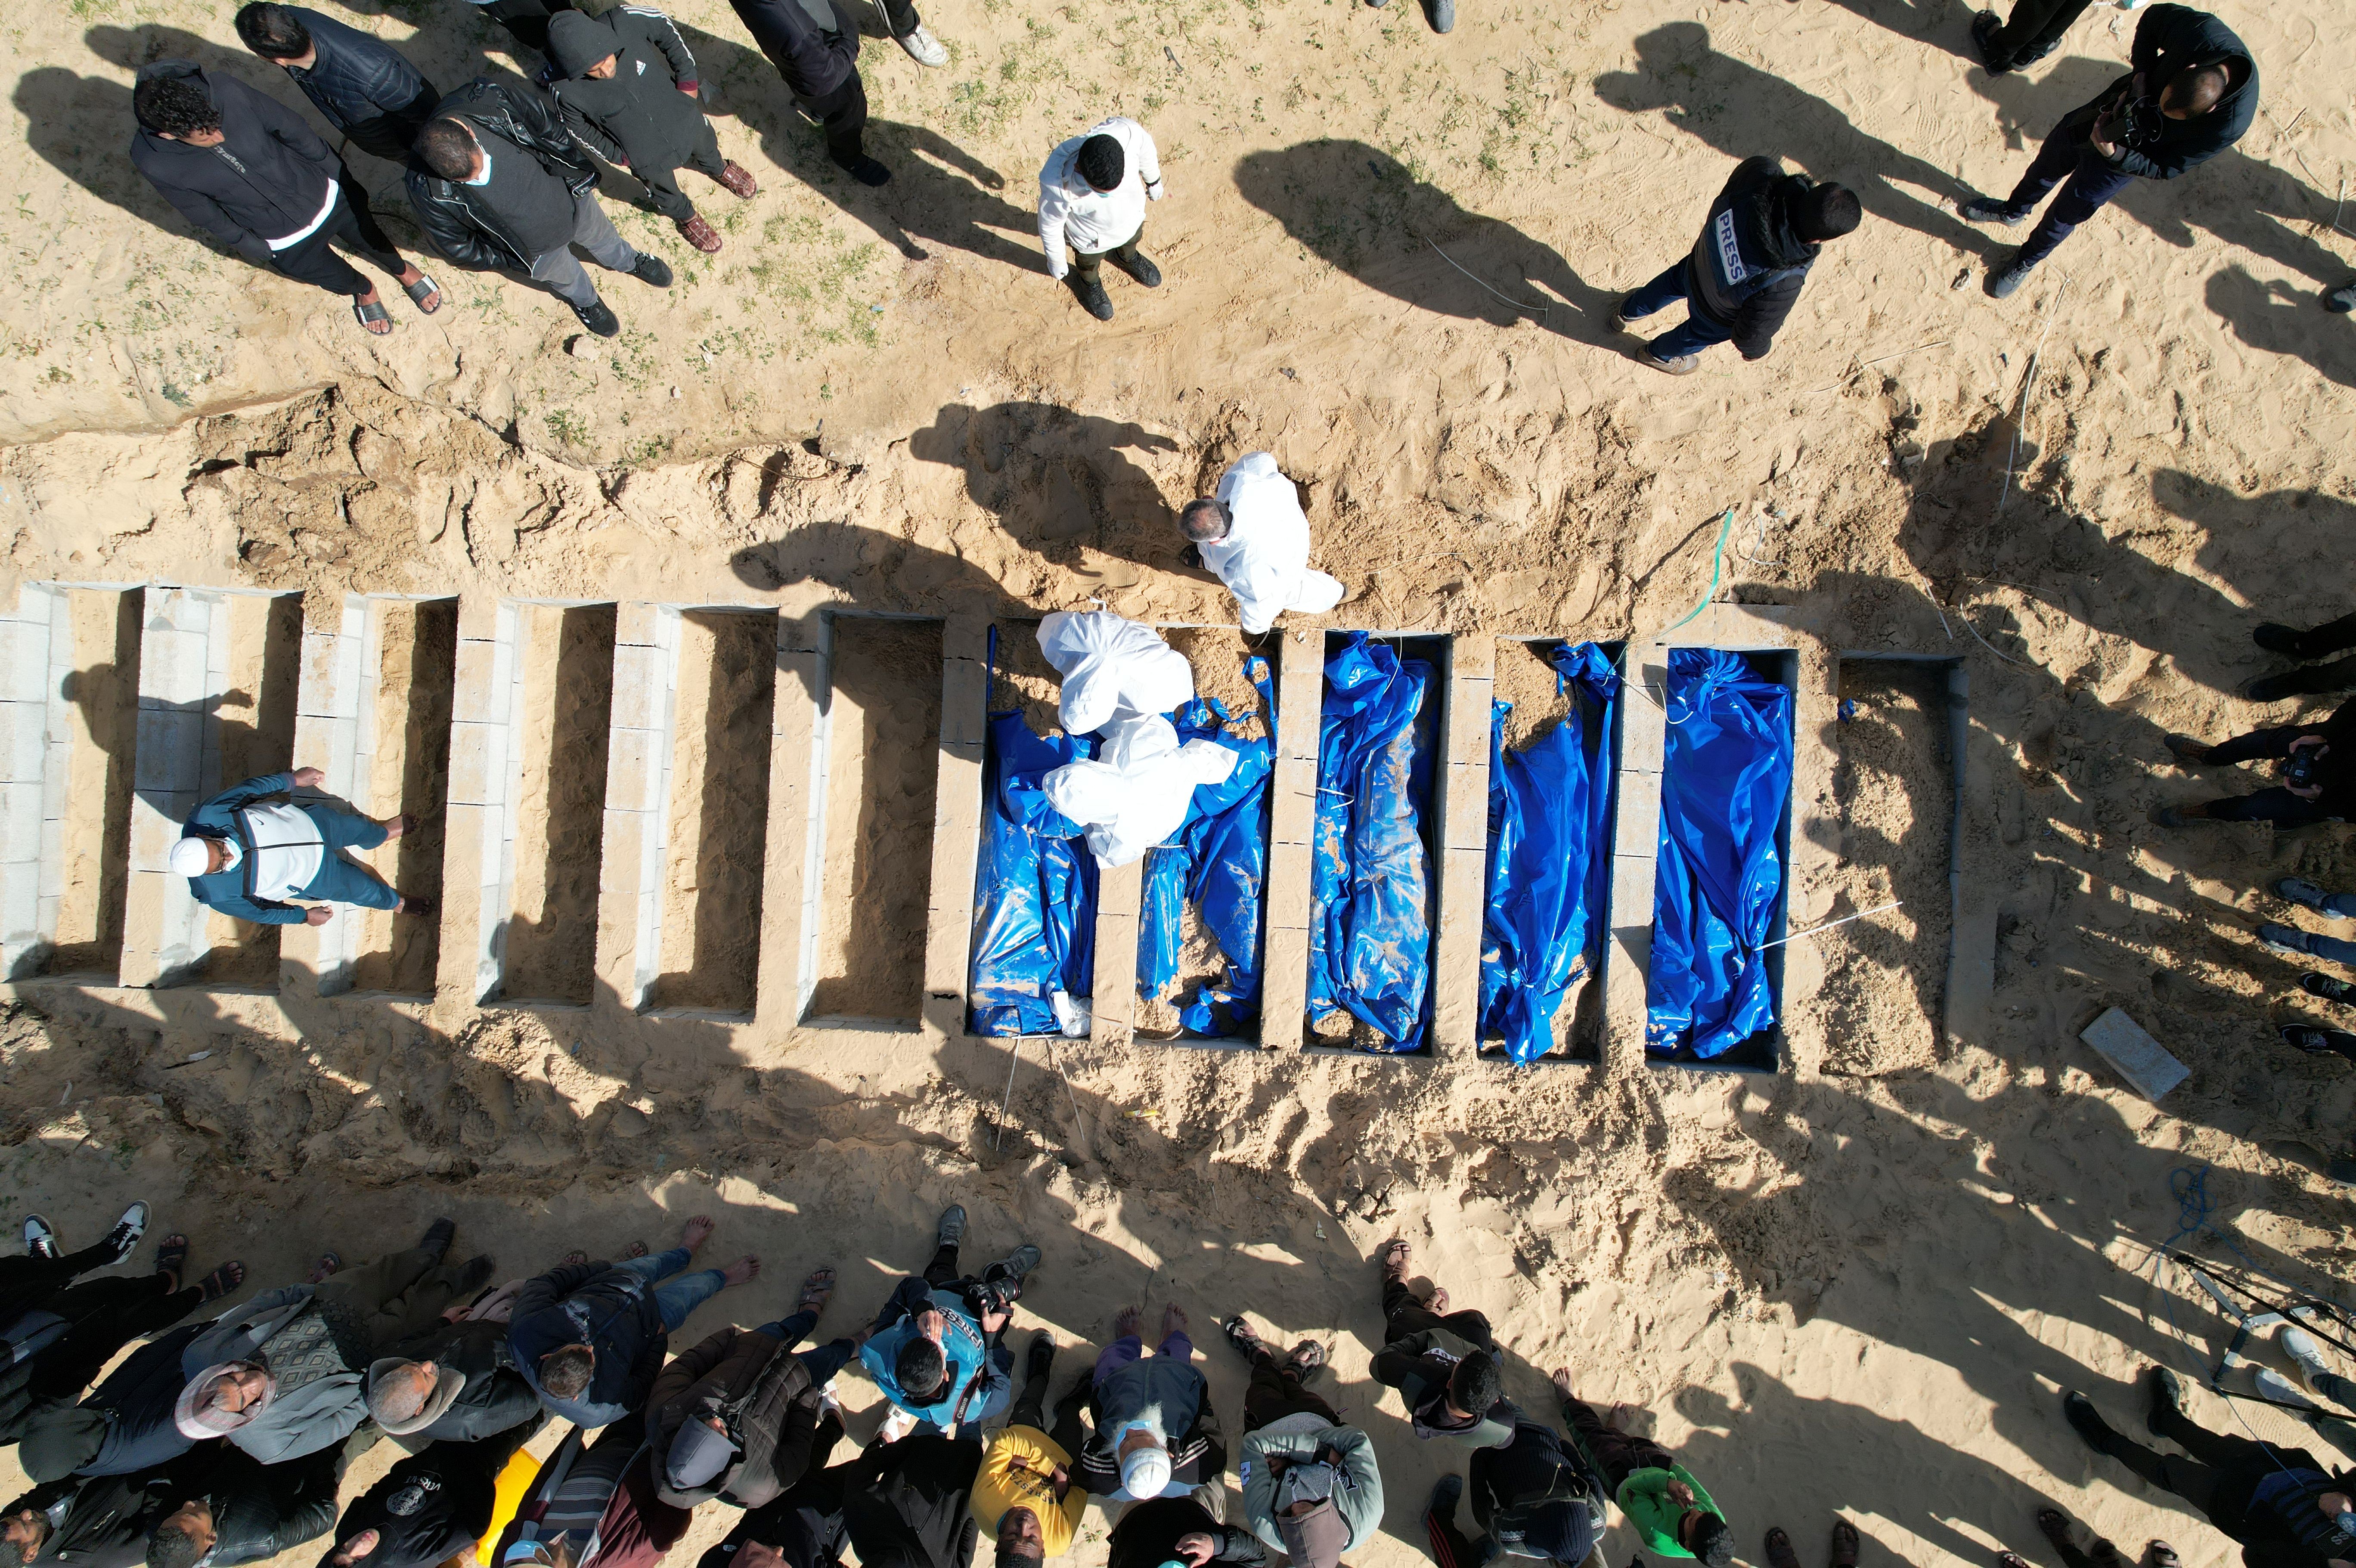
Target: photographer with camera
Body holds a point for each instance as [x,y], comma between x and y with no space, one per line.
[2191,93]
[936,1348]
[2319,775]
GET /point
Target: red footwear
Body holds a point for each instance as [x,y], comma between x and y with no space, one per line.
[700,234]
[740,181]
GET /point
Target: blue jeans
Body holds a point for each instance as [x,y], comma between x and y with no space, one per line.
[2094,179]
[2334,949]
[1699,332]
[346,881]
[824,1360]
[681,1297]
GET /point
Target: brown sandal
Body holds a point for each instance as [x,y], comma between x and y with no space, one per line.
[1779,1549]
[1395,1255]
[816,1289]
[1845,1544]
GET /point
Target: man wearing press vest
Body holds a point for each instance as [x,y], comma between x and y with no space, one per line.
[248,854]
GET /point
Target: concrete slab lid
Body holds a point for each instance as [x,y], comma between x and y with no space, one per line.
[2142,1060]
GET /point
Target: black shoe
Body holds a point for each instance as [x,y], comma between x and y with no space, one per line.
[438,1237]
[1446,1493]
[1989,209]
[950,1231]
[127,1231]
[2306,682]
[2081,1414]
[1143,269]
[1039,1358]
[1985,27]
[474,1274]
[598,318]
[2167,1400]
[1239,1334]
[2005,281]
[40,1238]
[1092,295]
[2317,1041]
[866,171]
[651,270]
[1191,557]
[2279,639]
[2188,748]
[2341,299]
[2329,989]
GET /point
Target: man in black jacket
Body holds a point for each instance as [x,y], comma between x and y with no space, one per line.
[2033,31]
[456,1382]
[242,1511]
[628,92]
[102,1522]
[361,84]
[814,44]
[2191,90]
[426,1508]
[2319,774]
[1748,267]
[499,185]
[1533,1496]
[245,168]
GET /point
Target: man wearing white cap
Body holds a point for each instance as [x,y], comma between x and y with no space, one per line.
[1254,535]
[1146,1407]
[246,854]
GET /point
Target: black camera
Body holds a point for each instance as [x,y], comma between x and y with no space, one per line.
[2138,121]
[2299,769]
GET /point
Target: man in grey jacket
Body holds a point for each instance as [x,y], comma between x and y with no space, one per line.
[629,93]
[501,186]
[1312,1489]
[245,169]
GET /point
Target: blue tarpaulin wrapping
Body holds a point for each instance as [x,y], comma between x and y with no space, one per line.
[1370,887]
[1549,859]
[1034,894]
[1725,775]
[1218,862]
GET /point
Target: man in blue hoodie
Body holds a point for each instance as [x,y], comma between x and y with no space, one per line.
[247,853]
[2190,90]
[934,1348]
[1745,271]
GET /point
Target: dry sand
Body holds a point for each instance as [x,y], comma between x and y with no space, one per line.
[1858,1288]
[568,697]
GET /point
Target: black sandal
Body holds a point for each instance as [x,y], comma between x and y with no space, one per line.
[171,1256]
[817,1290]
[368,313]
[221,1281]
[423,289]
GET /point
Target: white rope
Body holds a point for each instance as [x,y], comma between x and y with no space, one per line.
[1451,260]
[1844,920]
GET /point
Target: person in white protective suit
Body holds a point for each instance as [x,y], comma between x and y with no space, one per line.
[1134,795]
[1112,669]
[1253,533]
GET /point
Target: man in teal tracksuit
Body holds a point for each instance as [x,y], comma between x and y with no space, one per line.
[248,854]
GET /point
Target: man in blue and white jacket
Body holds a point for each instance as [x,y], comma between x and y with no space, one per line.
[934,1348]
[247,853]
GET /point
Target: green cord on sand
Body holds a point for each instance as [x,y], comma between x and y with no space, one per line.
[1717,560]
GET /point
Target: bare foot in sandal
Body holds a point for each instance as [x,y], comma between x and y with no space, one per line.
[574,1259]
[697,1229]
[2163,1555]
[1845,1544]
[221,1281]
[171,1257]
[1779,1549]
[1396,1255]
[634,1250]
[816,1290]
[330,1263]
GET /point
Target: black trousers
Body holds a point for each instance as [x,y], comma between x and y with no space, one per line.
[1403,1314]
[662,185]
[900,16]
[355,228]
[842,114]
[1088,265]
[1617,1454]
[2035,28]
[2278,805]
[2216,1479]
[105,1315]
[1273,1394]
[525,20]
[388,136]
[2339,675]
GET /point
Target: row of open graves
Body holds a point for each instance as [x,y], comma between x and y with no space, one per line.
[1546,849]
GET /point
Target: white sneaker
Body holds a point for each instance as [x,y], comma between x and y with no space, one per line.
[2300,1347]
[924,48]
[896,1426]
[2276,1386]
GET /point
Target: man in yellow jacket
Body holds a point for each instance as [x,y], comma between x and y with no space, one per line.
[1025,1493]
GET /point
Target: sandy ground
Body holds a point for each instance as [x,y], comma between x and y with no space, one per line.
[726,680]
[568,697]
[1856,1287]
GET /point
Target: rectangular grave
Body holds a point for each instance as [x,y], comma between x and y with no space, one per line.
[875,767]
[219,703]
[1898,750]
[1525,677]
[540,904]
[1763,1051]
[1218,654]
[401,763]
[1343,1030]
[701,954]
[72,717]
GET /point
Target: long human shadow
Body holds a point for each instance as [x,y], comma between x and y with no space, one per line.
[2243,550]
[1739,109]
[1363,212]
[79,125]
[1058,481]
[2277,319]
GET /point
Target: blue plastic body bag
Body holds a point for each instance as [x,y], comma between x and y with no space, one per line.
[1370,881]
[1549,867]
[1726,774]
[1219,863]
[1035,889]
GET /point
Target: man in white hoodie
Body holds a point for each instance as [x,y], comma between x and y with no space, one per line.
[1092,194]
[1254,536]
